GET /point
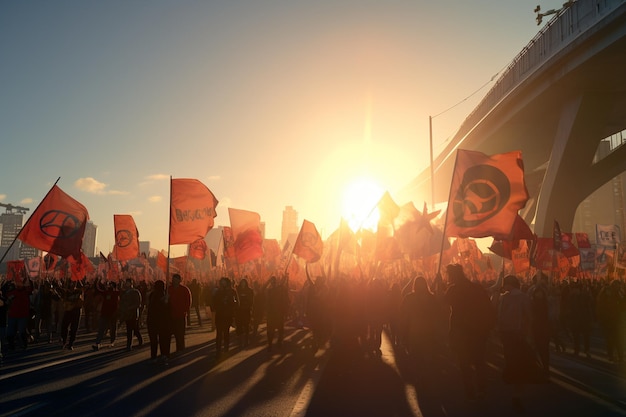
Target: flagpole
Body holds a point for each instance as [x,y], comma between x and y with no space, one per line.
[445,224]
[292,248]
[169,235]
[27,221]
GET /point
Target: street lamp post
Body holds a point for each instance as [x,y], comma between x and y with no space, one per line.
[432,167]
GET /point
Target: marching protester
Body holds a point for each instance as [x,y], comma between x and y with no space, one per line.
[107,321]
[245,294]
[196,296]
[471,319]
[130,302]
[418,324]
[225,302]
[277,301]
[18,296]
[72,296]
[180,302]
[159,323]
[539,298]
[521,364]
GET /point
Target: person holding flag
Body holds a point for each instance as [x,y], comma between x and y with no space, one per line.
[18,292]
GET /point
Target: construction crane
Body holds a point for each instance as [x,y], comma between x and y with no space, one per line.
[11,207]
[540,15]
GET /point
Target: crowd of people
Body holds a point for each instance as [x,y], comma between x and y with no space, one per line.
[528,318]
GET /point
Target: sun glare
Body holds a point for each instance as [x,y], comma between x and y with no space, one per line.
[359,202]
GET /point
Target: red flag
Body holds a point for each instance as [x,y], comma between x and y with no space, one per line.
[486,194]
[520,257]
[520,231]
[180,263]
[543,253]
[192,210]
[197,249]
[15,270]
[556,236]
[582,239]
[309,245]
[387,208]
[246,228]
[271,251]
[126,237]
[387,247]
[346,238]
[50,261]
[229,243]
[57,225]
[80,267]
[567,245]
[161,261]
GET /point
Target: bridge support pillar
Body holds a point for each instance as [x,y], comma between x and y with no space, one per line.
[571,175]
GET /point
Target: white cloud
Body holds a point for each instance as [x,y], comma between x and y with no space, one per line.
[24,201]
[117,192]
[158,177]
[155,198]
[93,186]
[2,197]
[215,178]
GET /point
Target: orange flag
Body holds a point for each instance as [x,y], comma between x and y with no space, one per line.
[80,267]
[126,237]
[57,225]
[485,195]
[192,210]
[197,249]
[246,228]
[309,245]
[387,208]
[229,242]
[162,261]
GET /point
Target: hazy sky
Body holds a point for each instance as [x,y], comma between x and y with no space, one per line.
[269,103]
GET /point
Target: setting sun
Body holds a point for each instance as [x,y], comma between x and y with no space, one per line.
[359,202]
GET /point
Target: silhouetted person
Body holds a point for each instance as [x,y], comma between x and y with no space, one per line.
[472,317]
[243,315]
[225,302]
[180,302]
[159,322]
[277,298]
[130,301]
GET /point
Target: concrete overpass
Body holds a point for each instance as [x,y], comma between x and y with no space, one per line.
[559,98]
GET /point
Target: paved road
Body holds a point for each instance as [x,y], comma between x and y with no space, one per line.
[292,381]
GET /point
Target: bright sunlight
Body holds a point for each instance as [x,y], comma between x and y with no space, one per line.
[359,203]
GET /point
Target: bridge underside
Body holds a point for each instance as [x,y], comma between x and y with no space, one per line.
[557,117]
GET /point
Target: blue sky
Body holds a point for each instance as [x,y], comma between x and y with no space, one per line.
[269,103]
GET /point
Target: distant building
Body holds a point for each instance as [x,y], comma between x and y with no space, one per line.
[144,247]
[290,224]
[89,239]
[11,221]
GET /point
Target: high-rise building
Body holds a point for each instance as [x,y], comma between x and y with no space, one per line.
[89,239]
[12,221]
[144,247]
[290,224]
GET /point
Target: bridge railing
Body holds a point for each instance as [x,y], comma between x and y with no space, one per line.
[559,32]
